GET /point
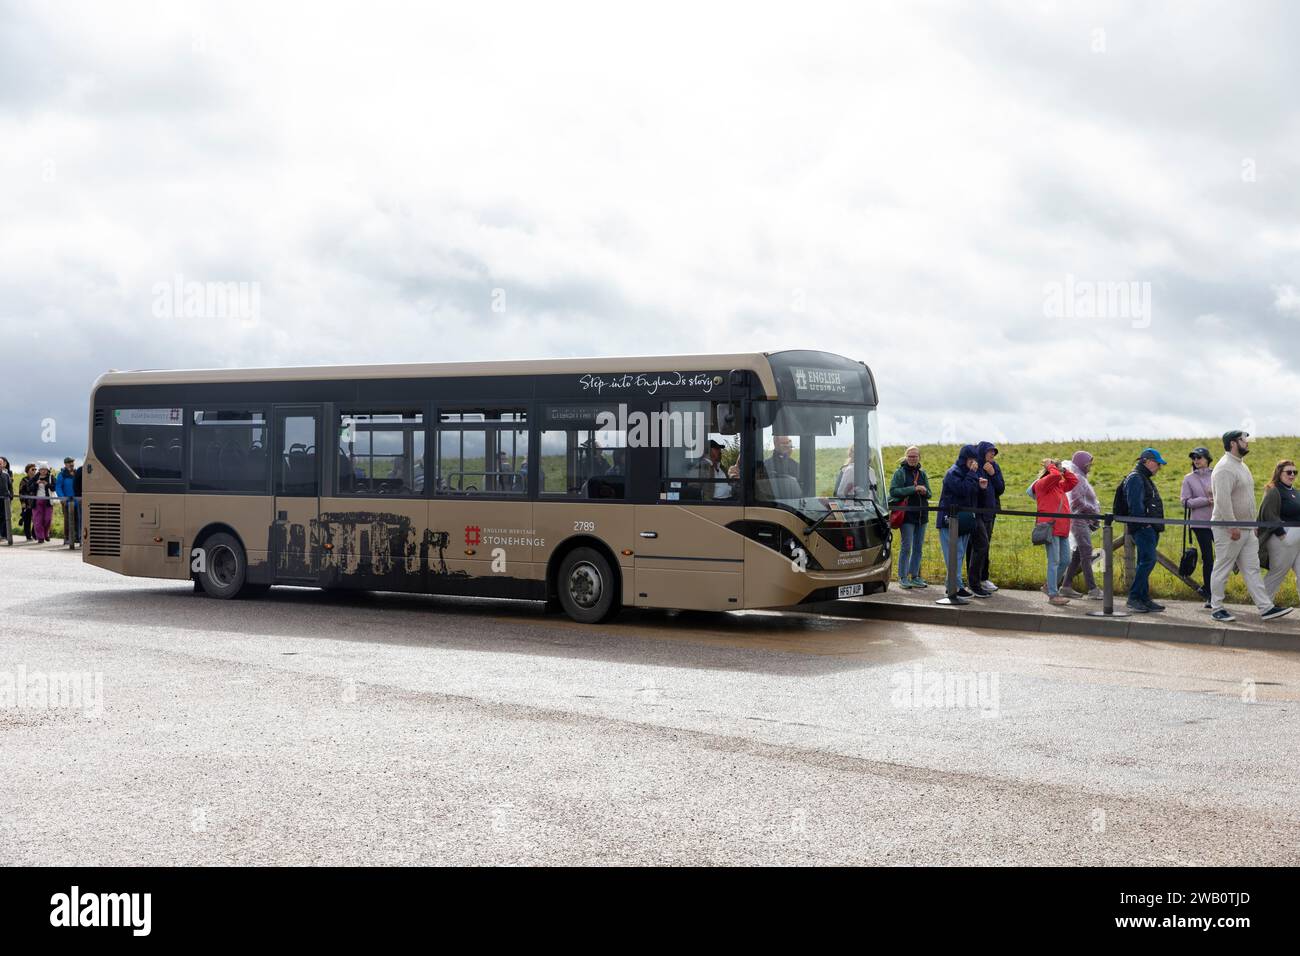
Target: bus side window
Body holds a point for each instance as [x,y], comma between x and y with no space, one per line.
[483,451]
[381,452]
[583,461]
[697,458]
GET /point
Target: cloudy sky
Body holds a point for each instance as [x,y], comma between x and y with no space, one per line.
[936,189]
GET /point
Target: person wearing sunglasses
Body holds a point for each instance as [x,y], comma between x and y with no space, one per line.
[1198,501]
[1279,548]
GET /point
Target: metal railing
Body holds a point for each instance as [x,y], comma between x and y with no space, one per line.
[1107,519]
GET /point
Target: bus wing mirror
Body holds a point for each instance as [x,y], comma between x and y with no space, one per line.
[725,414]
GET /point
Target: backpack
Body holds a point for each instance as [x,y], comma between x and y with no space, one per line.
[1120,505]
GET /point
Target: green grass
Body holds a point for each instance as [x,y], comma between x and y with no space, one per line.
[1018,564]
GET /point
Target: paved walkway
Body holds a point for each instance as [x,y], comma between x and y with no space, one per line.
[1184,621]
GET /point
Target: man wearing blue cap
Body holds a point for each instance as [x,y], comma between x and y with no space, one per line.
[1234,500]
[1144,502]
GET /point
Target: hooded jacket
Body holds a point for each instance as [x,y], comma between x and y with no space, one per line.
[63,483]
[1052,494]
[961,487]
[1083,499]
[990,497]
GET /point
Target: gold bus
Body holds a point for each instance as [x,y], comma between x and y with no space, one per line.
[704,482]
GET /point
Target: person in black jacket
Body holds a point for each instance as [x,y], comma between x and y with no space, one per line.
[6,502]
[962,484]
[25,488]
[1144,501]
[977,555]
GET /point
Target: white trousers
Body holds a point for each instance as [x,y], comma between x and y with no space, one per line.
[1282,557]
[1244,555]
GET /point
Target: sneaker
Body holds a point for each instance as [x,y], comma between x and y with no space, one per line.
[920,583]
[1222,616]
[1095,594]
[1275,612]
[1137,608]
[981,593]
[904,583]
[964,593]
[1058,600]
[1153,606]
[1070,593]
[988,586]
[957,599]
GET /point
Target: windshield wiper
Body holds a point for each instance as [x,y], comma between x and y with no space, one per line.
[818,523]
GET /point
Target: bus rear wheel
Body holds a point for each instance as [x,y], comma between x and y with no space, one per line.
[225,567]
[586,586]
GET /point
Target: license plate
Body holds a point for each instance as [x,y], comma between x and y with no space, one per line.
[851,590]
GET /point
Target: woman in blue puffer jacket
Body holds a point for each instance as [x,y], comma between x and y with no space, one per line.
[962,485]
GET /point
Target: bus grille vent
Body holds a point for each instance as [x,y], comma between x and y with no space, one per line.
[99,418]
[105,529]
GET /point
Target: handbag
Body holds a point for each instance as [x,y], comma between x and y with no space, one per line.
[1187,563]
[1042,533]
[897,516]
[965,522]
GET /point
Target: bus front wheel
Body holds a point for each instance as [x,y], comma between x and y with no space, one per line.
[225,566]
[586,586]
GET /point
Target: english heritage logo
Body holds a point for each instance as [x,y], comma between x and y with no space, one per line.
[819,380]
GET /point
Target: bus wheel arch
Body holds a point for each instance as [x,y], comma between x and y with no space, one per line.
[592,587]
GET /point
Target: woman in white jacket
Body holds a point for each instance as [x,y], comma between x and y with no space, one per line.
[1083,501]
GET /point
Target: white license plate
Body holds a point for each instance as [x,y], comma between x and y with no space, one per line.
[851,590]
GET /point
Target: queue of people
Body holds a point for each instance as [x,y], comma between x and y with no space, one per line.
[1210,492]
[39,492]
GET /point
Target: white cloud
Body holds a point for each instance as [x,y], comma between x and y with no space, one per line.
[664,179]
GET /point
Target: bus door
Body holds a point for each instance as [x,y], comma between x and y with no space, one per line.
[297,471]
[686,556]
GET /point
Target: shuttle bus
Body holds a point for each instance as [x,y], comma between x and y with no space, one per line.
[704,482]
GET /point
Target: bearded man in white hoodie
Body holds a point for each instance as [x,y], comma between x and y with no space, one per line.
[1234,500]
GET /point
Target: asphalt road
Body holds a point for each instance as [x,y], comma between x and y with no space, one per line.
[388,729]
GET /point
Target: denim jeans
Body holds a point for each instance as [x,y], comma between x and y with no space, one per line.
[1144,540]
[962,541]
[909,554]
[1058,553]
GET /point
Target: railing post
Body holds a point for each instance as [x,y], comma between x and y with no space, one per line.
[950,584]
[1108,574]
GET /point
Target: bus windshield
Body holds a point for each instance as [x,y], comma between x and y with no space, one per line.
[806,457]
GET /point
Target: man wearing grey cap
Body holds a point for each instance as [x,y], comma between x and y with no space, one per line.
[1234,500]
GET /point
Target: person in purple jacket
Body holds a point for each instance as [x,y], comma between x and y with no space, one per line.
[1198,498]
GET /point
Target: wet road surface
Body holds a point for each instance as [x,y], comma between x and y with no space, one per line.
[306,727]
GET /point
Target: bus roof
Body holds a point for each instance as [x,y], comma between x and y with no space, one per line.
[756,362]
